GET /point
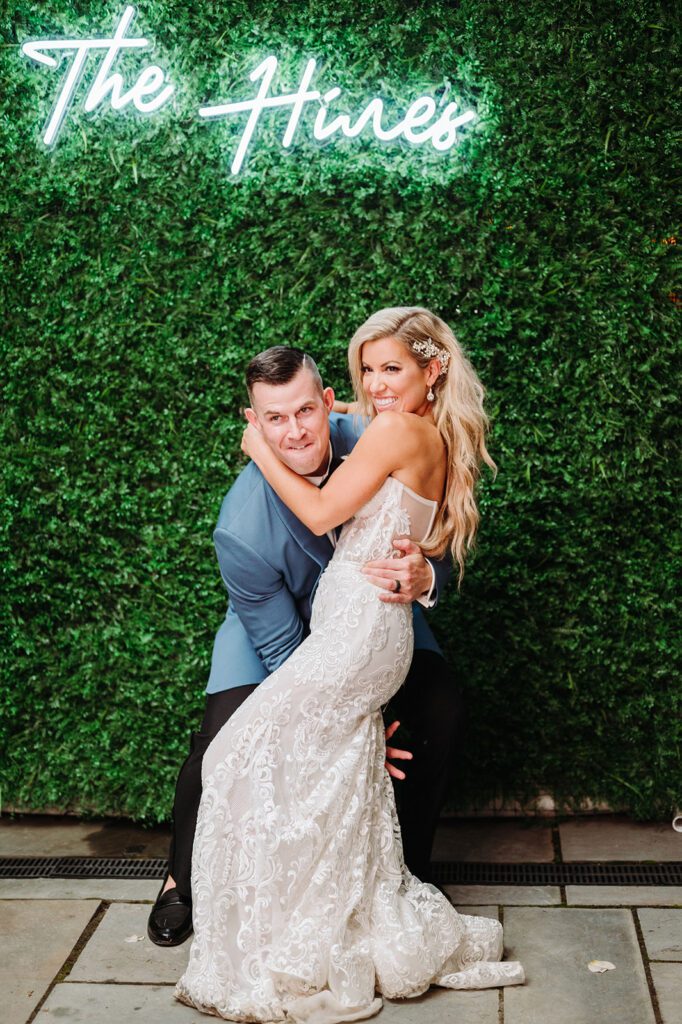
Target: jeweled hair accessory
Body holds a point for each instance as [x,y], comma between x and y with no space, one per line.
[432,351]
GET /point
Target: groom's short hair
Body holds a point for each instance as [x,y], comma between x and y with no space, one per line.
[279,365]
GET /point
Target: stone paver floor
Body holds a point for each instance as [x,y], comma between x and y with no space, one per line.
[76,949]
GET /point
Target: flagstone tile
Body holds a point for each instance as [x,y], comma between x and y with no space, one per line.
[662,931]
[79,889]
[443,1006]
[624,895]
[47,835]
[120,951]
[493,841]
[504,895]
[479,911]
[37,937]
[555,946]
[616,837]
[154,1004]
[44,836]
[667,979]
[115,1004]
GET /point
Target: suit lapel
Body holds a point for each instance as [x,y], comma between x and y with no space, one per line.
[319,548]
[340,445]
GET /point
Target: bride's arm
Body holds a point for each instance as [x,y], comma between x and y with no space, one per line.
[345,407]
[388,444]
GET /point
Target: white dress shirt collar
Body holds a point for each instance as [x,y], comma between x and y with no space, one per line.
[317,480]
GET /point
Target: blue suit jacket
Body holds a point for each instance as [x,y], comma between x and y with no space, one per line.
[270,563]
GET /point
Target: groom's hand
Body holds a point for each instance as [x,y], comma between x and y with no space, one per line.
[396,753]
[408,566]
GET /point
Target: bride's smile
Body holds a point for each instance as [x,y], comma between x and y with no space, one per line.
[392,380]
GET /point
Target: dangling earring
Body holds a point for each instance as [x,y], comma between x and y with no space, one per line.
[430,395]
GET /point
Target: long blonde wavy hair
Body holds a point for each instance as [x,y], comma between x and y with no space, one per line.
[458,413]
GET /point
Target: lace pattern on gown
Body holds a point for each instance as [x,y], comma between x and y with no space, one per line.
[303,906]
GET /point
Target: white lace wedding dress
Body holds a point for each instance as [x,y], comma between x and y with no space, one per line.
[303,907]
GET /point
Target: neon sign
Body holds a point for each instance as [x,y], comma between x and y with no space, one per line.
[424,122]
[148,82]
[442,134]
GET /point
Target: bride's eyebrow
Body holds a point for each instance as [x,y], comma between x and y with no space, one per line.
[389,362]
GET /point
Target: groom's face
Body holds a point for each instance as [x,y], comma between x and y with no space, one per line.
[294,420]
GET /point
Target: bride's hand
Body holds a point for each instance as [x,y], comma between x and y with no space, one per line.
[253,442]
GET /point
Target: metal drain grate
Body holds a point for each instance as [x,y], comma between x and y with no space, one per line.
[445,873]
[558,874]
[82,867]
[26,867]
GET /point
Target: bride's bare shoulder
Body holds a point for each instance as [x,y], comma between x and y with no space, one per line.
[389,422]
[403,428]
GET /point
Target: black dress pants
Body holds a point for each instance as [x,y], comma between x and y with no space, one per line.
[430,708]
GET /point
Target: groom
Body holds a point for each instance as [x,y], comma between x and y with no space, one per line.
[271,563]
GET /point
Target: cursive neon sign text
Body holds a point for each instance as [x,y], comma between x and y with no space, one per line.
[425,121]
[142,94]
[442,134]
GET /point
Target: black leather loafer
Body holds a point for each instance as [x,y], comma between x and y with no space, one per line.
[170,920]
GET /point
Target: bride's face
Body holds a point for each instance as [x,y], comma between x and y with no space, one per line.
[294,420]
[393,380]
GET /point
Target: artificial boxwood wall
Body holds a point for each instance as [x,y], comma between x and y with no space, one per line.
[138,278]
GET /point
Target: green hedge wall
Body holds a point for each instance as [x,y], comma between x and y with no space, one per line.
[138,278]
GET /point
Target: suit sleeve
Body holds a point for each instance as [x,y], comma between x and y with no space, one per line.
[261,599]
[442,568]
[349,426]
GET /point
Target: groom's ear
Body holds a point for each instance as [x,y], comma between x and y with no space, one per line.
[252,418]
[328,398]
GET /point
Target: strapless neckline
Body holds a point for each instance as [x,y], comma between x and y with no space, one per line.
[405,494]
[419,497]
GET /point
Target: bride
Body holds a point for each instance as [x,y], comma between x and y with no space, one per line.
[303,907]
